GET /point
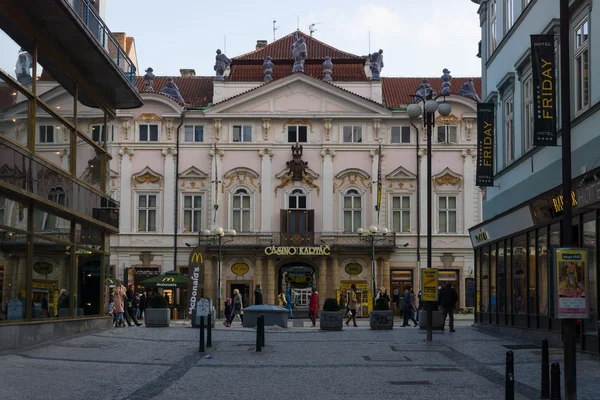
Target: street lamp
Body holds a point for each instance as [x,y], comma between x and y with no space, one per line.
[371,238]
[427,96]
[219,233]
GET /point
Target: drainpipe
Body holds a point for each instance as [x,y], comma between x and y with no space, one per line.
[176,194]
[418,200]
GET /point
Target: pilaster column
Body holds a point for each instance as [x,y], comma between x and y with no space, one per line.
[335,276]
[170,188]
[126,195]
[374,164]
[258,274]
[327,190]
[424,194]
[266,190]
[379,271]
[470,203]
[386,273]
[208,279]
[215,189]
[322,281]
[270,281]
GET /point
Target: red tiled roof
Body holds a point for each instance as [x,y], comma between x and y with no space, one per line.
[397,91]
[197,91]
[281,49]
[255,73]
[7,97]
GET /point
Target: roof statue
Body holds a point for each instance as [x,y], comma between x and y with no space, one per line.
[424,90]
[221,64]
[446,78]
[148,79]
[172,90]
[296,165]
[376,60]
[300,53]
[268,68]
[468,90]
[23,67]
[327,69]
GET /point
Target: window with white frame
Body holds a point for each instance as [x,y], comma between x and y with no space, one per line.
[192,213]
[147,208]
[46,134]
[447,134]
[193,133]
[352,210]
[242,133]
[400,134]
[528,112]
[509,12]
[447,214]
[148,132]
[582,67]
[297,134]
[401,214]
[492,38]
[352,134]
[241,211]
[509,129]
[297,200]
[97,133]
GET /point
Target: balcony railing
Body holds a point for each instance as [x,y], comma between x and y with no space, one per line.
[97,27]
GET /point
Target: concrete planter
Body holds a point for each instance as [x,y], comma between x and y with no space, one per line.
[381,319]
[274,315]
[438,318]
[331,320]
[154,317]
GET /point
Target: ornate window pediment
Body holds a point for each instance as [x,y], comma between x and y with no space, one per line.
[308,172]
[149,178]
[401,174]
[448,120]
[447,178]
[241,176]
[149,117]
[353,176]
[189,178]
[353,171]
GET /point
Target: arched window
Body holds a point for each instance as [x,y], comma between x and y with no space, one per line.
[241,211]
[297,200]
[352,210]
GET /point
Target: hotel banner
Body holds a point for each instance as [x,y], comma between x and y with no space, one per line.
[571,283]
[485,144]
[544,95]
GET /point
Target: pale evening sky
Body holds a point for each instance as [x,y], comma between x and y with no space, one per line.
[418,37]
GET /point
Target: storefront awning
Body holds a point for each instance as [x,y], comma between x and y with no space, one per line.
[169,280]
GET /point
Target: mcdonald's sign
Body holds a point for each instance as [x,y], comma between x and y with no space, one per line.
[195,287]
[196,258]
[168,279]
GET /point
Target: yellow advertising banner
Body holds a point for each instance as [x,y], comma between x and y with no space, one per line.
[429,284]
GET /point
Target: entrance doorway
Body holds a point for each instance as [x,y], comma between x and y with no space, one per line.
[401,280]
[244,289]
[299,278]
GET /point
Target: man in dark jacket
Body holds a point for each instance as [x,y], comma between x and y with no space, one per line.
[258,299]
[448,298]
[129,302]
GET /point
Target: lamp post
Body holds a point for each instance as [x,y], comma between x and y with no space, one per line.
[426,95]
[219,233]
[371,238]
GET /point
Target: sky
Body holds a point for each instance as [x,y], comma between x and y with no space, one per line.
[418,37]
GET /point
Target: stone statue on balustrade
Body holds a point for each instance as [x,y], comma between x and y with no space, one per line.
[376,60]
[300,52]
[327,69]
[221,65]
[468,90]
[268,68]
[23,67]
[148,80]
[424,90]
[446,78]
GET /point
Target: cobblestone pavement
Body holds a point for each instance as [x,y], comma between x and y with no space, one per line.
[356,363]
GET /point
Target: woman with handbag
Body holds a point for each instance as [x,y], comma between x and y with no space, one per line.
[238,306]
[352,305]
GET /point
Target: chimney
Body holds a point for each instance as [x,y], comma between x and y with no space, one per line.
[187,72]
[120,36]
[260,44]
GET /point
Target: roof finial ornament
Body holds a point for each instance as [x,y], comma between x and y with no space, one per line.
[446,78]
[148,80]
[300,52]
[172,90]
[376,60]
[221,64]
[268,69]
[424,90]
[23,67]
[327,69]
[468,90]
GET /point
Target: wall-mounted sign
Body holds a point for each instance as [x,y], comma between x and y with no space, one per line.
[323,250]
[401,276]
[589,194]
[484,175]
[571,281]
[298,279]
[544,110]
[429,284]
[43,268]
[240,269]
[506,225]
[558,203]
[353,269]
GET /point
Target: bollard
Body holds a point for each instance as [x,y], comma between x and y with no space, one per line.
[258,341]
[201,334]
[262,330]
[545,371]
[509,393]
[209,331]
[555,389]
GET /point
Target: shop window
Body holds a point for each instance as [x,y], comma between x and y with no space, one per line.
[51,289]
[13,278]
[532,289]
[242,133]
[352,210]
[297,134]
[493,295]
[352,134]
[401,214]
[87,300]
[509,277]
[241,211]
[485,279]
[192,213]
[542,264]
[519,269]
[589,242]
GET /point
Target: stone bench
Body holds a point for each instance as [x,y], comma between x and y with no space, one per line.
[274,315]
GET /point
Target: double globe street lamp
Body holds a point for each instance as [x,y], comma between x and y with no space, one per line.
[372,236]
[219,233]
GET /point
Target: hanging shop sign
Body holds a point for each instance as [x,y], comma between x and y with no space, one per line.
[240,269]
[353,269]
[544,110]
[571,283]
[401,277]
[43,268]
[429,284]
[195,278]
[485,144]
[323,250]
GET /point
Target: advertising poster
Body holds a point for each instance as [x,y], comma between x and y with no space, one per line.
[544,94]
[484,175]
[571,282]
[195,289]
[429,284]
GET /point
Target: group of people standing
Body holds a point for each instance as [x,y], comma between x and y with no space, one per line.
[125,305]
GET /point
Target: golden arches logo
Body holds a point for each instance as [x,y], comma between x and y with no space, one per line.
[168,279]
[197,258]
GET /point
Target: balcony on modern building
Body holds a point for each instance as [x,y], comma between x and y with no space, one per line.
[75,47]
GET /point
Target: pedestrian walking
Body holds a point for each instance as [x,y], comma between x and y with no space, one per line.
[409,307]
[447,300]
[119,301]
[258,300]
[352,305]
[130,307]
[143,304]
[228,312]
[420,306]
[313,307]
[289,303]
[383,294]
[238,306]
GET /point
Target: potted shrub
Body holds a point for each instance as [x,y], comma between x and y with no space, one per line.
[381,317]
[331,319]
[158,312]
